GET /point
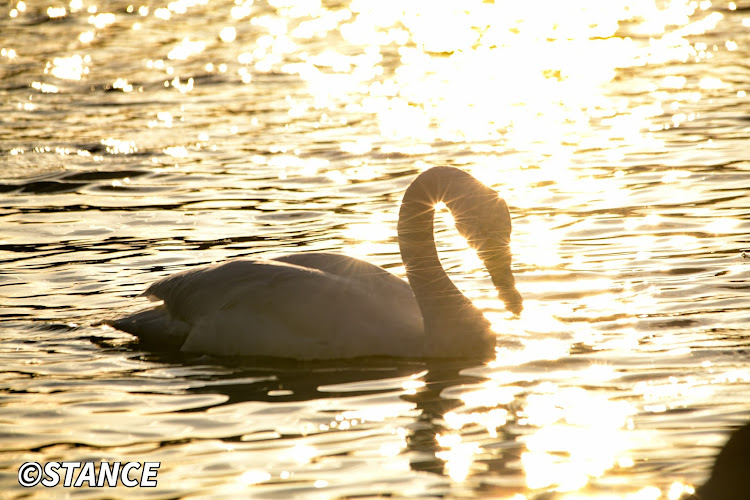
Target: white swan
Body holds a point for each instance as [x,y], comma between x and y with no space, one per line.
[326,306]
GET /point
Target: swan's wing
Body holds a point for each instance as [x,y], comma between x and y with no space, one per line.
[280,309]
[338,264]
[371,276]
[193,292]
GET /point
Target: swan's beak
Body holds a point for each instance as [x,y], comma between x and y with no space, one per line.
[512,299]
[497,260]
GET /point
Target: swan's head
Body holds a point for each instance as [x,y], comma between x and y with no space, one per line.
[484,220]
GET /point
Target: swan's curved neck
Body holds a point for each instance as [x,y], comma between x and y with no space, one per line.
[442,304]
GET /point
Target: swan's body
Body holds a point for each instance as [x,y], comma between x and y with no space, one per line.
[325,306]
[302,306]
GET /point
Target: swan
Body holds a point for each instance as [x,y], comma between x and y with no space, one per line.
[329,306]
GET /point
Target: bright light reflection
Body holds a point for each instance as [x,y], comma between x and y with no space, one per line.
[123,85]
[580,436]
[411,386]
[69,68]
[534,350]
[254,477]
[301,453]
[661,395]
[491,395]
[228,34]
[723,225]
[56,12]
[501,75]
[181,6]
[554,62]
[241,11]
[162,14]
[163,118]
[677,490]
[177,152]
[117,146]
[647,493]
[368,249]
[87,36]
[101,21]
[45,87]
[490,420]
[185,49]
[458,456]
[375,230]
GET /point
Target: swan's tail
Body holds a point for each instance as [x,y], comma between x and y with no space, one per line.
[153,326]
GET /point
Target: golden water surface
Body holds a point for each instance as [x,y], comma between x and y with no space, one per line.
[138,139]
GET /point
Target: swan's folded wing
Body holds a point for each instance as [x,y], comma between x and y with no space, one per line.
[194,292]
[276,308]
[154,325]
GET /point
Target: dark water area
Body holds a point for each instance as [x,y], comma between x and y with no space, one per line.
[138,140]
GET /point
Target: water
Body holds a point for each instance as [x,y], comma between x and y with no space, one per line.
[140,139]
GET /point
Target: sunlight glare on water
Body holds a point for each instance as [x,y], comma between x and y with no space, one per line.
[140,139]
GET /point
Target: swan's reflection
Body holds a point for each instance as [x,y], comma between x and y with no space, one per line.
[459,444]
[273,380]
